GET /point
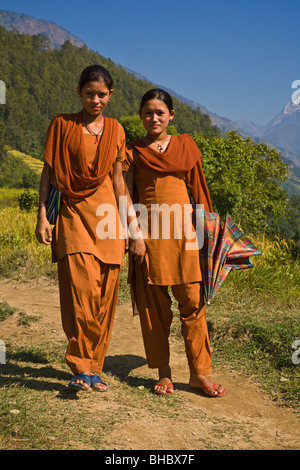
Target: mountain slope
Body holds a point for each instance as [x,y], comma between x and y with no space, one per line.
[284,129]
[29,25]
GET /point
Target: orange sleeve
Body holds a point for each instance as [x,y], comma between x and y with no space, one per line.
[127,164]
[121,145]
[52,140]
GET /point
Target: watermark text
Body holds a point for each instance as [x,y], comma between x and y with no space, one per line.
[296,354]
[2,352]
[159,221]
[2,92]
[296,94]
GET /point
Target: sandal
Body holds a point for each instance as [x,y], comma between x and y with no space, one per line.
[166,387]
[95,379]
[84,378]
[219,394]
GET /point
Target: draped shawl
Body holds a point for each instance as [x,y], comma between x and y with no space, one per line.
[181,155]
[64,152]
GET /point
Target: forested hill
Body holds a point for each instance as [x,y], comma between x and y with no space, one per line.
[41,83]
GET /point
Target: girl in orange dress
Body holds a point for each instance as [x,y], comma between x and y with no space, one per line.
[83,159]
[161,171]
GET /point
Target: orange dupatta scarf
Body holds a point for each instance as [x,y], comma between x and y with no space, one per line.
[181,155]
[64,152]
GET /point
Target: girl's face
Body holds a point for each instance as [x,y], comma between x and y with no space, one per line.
[156,116]
[94,97]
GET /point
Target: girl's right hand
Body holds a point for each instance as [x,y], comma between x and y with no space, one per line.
[137,248]
[43,231]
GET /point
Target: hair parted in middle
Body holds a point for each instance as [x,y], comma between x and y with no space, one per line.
[157,94]
[95,73]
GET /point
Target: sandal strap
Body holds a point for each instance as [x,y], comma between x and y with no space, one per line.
[163,385]
[86,378]
[208,386]
[96,379]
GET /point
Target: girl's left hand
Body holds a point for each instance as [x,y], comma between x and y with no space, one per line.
[43,231]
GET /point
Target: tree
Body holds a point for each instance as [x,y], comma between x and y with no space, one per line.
[2,133]
[243,179]
[289,227]
[134,128]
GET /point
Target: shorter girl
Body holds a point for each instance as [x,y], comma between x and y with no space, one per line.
[160,169]
[83,159]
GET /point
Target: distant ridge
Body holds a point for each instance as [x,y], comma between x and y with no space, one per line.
[29,25]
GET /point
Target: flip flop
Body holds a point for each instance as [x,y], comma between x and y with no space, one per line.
[95,379]
[166,387]
[219,394]
[84,378]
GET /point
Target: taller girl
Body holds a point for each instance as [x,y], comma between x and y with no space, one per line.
[83,159]
[162,170]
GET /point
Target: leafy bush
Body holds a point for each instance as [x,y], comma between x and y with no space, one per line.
[28,200]
[242,177]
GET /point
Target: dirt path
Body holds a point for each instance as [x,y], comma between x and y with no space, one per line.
[245,418]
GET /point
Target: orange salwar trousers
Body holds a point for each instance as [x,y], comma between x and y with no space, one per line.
[154,306]
[88,295]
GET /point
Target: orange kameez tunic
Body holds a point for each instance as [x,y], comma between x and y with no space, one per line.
[169,260]
[76,228]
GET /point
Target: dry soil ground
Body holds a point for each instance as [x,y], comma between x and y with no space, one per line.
[246,418]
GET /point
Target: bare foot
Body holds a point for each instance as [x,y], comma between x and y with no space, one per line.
[209,388]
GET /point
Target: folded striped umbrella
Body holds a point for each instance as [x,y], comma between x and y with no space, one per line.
[225,248]
[53,205]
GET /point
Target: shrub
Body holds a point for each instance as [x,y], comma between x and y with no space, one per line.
[28,199]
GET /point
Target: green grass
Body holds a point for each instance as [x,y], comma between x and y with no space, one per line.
[24,319]
[6,311]
[9,197]
[21,255]
[275,274]
[260,348]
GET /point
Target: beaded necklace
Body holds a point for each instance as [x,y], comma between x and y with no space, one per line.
[94,133]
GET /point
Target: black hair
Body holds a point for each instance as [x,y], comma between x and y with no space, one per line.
[157,94]
[95,73]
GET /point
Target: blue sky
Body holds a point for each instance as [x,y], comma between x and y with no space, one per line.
[238,58]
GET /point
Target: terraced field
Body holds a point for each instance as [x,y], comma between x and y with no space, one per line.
[33,163]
